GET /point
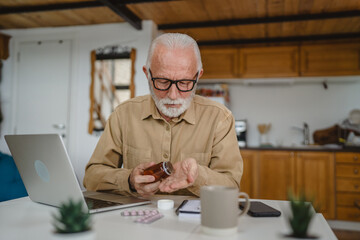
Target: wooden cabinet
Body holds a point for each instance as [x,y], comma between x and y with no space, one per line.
[4,46]
[269,62]
[271,174]
[281,61]
[315,176]
[220,62]
[348,186]
[330,59]
[249,177]
[276,175]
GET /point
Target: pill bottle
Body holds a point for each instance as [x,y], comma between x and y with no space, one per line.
[160,171]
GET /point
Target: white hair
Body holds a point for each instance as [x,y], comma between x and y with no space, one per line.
[174,41]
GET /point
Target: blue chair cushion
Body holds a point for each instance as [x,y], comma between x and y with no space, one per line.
[11,185]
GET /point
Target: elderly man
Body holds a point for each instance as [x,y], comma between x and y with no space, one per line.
[195,134]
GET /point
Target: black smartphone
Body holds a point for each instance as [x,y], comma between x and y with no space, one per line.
[260,209]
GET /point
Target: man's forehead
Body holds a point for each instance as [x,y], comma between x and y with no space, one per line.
[174,58]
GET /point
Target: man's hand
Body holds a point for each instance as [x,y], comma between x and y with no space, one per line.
[184,176]
[143,183]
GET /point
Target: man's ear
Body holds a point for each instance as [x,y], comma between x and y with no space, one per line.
[201,73]
[145,71]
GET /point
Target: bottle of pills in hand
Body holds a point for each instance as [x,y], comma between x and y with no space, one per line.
[160,171]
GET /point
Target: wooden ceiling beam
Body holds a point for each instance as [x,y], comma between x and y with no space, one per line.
[49,7]
[281,39]
[263,20]
[68,6]
[119,7]
[124,13]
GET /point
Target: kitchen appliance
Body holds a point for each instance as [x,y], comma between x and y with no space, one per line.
[240,129]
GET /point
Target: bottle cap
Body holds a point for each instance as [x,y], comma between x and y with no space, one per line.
[168,168]
[165,204]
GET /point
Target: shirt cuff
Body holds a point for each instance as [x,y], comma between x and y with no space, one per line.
[123,183]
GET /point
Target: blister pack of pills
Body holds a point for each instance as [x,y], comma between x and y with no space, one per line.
[132,213]
[147,216]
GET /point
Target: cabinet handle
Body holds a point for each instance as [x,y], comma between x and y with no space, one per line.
[356,171]
[357,204]
[356,158]
[356,186]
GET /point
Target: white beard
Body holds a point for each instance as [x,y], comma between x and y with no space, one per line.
[169,111]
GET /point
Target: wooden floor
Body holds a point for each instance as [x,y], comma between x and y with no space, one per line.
[347,235]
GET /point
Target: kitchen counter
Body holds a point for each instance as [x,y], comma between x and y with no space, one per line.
[315,148]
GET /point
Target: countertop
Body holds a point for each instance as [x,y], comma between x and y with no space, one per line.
[315,148]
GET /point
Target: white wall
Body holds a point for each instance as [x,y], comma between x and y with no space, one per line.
[291,105]
[84,39]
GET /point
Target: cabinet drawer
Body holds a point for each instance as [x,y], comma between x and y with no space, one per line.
[347,157]
[348,185]
[348,213]
[348,199]
[348,170]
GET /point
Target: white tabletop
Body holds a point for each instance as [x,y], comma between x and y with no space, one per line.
[24,219]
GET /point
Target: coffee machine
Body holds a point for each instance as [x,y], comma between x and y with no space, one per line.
[240,129]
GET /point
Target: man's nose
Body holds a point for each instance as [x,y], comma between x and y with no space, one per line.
[173,92]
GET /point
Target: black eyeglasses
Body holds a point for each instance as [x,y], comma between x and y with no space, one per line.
[183,85]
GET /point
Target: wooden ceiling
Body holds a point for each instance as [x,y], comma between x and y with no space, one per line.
[210,22]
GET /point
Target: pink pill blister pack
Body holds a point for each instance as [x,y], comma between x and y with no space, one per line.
[146,216]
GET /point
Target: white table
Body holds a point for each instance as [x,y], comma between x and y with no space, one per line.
[24,219]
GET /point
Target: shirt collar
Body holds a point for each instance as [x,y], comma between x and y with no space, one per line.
[151,110]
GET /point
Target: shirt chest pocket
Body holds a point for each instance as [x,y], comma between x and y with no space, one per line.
[134,156]
[201,158]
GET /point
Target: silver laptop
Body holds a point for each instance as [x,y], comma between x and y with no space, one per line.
[49,177]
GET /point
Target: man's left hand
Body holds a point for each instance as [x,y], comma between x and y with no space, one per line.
[184,176]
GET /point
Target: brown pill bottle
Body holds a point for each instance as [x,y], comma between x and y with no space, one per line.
[160,171]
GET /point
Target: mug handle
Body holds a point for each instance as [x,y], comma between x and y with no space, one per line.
[247,205]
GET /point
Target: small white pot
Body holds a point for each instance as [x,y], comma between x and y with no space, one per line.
[88,235]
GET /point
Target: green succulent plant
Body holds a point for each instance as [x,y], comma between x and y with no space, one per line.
[302,213]
[72,218]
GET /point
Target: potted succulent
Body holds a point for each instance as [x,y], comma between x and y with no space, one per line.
[302,213]
[72,221]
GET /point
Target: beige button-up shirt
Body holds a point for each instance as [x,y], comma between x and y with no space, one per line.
[136,133]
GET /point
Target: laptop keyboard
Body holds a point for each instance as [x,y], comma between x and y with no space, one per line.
[96,203]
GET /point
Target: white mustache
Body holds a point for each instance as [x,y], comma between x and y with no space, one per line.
[169,101]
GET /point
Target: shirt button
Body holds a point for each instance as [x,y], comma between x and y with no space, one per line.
[167,128]
[165,155]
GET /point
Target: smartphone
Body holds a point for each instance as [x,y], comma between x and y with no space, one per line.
[260,209]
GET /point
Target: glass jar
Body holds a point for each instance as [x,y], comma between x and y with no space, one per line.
[160,171]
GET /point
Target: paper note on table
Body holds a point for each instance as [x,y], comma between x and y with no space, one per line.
[190,208]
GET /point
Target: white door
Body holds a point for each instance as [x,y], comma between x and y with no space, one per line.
[43,87]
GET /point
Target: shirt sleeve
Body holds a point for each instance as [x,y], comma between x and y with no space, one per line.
[104,172]
[226,164]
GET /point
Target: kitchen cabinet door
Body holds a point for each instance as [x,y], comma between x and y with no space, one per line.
[330,59]
[249,178]
[267,62]
[219,63]
[315,176]
[348,186]
[276,174]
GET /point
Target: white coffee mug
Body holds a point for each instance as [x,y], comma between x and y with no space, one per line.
[220,209]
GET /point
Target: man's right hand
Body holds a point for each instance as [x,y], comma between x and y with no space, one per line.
[143,183]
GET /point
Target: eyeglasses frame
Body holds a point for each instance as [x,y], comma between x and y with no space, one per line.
[174,82]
